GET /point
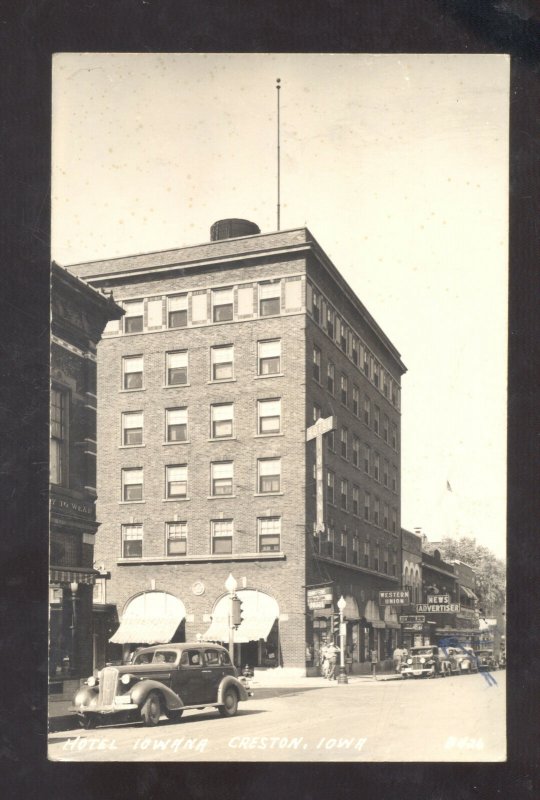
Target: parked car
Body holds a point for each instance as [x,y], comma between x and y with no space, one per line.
[426,661]
[462,660]
[502,660]
[163,679]
[486,660]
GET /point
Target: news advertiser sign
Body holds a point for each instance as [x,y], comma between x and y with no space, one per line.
[438,608]
[320,597]
[438,599]
[395,598]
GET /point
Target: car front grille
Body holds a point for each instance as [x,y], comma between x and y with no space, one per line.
[107,686]
[416,663]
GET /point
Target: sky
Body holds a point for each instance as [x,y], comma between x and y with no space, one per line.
[398,165]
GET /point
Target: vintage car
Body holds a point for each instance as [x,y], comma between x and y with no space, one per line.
[486,660]
[462,660]
[426,661]
[162,679]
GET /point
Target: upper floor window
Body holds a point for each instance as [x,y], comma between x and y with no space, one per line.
[394,520]
[386,467]
[269,416]
[132,484]
[376,466]
[222,359]
[367,458]
[330,484]
[385,383]
[132,539]
[376,375]
[330,321]
[367,364]
[176,538]
[356,401]
[222,419]
[222,478]
[394,437]
[59,437]
[132,372]
[385,516]
[330,379]
[317,364]
[177,368]
[177,481]
[394,564]
[344,386]
[316,310]
[344,435]
[176,422]
[355,547]
[386,426]
[356,500]
[222,536]
[377,556]
[354,349]
[376,419]
[133,318]
[132,428]
[177,308]
[367,410]
[343,336]
[367,506]
[394,478]
[366,554]
[344,493]
[270,357]
[222,305]
[269,475]
[269,534]
[356,451]
[269,298]
[376,511]
[317,412]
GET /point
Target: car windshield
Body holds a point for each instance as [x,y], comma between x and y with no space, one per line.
[422,651]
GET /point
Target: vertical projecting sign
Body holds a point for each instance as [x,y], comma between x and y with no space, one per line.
[316,432]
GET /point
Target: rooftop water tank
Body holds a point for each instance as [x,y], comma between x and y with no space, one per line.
[231,228]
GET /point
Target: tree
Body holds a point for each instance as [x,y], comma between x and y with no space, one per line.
[490,570]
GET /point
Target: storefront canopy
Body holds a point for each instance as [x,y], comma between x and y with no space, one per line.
[150,618]
[73,575]
[259,612]
[372,614]
[391,617]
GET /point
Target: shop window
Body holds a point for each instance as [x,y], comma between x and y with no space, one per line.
[176,538]
[132,485]
[270,357]
[132,372]
[177,424]
[132,428]
[132,539]
[222,359]
[222,420]
[269,534]
[177,368]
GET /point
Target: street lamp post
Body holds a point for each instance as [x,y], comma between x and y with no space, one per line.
[342,677]
[74,586]
[230,585]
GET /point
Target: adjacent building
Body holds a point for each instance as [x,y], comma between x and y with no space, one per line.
[78,316]
[214,390]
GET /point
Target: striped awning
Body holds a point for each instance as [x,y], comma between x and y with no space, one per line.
[145,630]
[259,612]
[73,575]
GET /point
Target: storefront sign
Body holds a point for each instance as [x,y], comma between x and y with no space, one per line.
[71,506]
[415,627]
[412,618]
[431,608]
[321,597]
[396,598]
[438,599]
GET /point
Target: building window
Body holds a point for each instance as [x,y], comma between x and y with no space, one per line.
[222,536]
[221,478]
[270,357]
[356,500]
[177,308]
[317,412]
[132,428]
[394,479]
[376,419]
[354,349]
[395,395]
[385,562]
[343,337]
[331,440]
[367,458]
[344,492]
[269,534]
[376,375]
[176,538]
[316,311]
[222,305]
[59,437]
[385,383]
[222,359]
[385,516]
[176,422]
[269,416]
[342,554]
[177,368]
[269,475]
[330,377]
[394,436]
[343,438]
[133,318]
[376,511]
[132,538]
[356,451]
[377,556]
[394,520]
[385,472]
[355,544]
[386,425]
[367,411]
[177,481]
[132,371]
[330,322]
[317,364]
[132,484]
[356,401]
[344,390]
[367,503]
[330,485]
[330,540]
[376,466]
[269,298]
[222,420]
[367,361]
[394,564]
[366,554]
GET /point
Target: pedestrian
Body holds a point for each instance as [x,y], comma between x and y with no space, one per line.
[332,655]
[374,659]
[396,655]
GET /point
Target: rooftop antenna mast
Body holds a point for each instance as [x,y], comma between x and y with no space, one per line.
[278,87]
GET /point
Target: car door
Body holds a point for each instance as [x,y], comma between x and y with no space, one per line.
[188,679]
[212,673]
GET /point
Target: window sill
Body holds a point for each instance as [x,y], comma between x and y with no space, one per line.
[130,446]
[175,499]
[225,380]
[268,494]
[270,375]
[175,385]
[201,558]
[184,441]
[220,496]
[131,502]
[266,435]
[129,391]
[222,439]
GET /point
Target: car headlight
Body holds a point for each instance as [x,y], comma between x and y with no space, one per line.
[125,679]
[91,681]
[422,660]
[409,661]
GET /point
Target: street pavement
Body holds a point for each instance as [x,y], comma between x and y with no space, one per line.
[461,718]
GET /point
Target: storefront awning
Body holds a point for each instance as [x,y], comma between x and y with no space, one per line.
[372,615]
[468,592]
[73,575]
[150,618]
[259,612]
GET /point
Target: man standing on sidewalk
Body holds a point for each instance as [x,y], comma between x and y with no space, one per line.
[332,656]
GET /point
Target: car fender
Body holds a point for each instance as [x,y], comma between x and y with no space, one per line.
[141,690]
[86,696]
[230,680]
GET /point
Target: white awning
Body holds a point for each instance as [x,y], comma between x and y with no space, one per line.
[259,612]
[390,617]
[150,618]
[372,614]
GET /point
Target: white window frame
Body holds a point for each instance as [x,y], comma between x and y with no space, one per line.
[217,360]
[264,472]
[169,366]
[273,348]
[221,478]
[129,360]
[181,416]
[129,476]
[261,534]
[218,415]
[176,537]
[132,532]
[263,407]
[169,480]
[132,417]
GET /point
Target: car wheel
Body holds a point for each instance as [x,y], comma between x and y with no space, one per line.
[175,715]
[151,710]
[230,703]
[88,721]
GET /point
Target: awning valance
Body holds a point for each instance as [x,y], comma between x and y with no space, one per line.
[259,612]
[73,575]
[150,618]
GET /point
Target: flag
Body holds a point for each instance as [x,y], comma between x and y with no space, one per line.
[448,487]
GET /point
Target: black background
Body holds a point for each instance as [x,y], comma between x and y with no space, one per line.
[30,32]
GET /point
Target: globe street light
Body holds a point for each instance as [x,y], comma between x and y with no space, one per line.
[74,587]
[230,585]
[342,677]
